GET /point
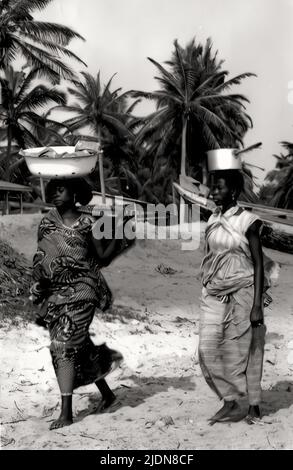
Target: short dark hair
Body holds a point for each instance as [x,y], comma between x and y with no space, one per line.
[234,179]
[78,186]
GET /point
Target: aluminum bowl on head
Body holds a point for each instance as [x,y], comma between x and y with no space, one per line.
[60,162]
[224,159]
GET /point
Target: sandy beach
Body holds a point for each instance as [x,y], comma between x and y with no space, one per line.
[163,401]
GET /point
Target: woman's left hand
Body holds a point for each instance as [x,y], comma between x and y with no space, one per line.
[256,316]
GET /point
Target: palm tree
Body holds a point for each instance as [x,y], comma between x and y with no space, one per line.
[278,188]
[40,43]
[282,167]
[20,122]
[103,113]
[50,132]
[248,194]
[283,196]
[191,105]
[99,109]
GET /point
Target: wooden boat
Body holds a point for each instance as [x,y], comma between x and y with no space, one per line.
[277,231]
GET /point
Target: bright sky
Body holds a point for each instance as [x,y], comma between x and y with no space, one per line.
[250,35]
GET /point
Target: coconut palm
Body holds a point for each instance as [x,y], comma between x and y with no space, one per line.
[283,164]
[248,194]
[191,104]
[21,123]
[283,196]
[277,190]
[104,115]
[98,110]
[50,132]
[40,43]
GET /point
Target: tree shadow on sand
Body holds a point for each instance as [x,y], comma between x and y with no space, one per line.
[141,389]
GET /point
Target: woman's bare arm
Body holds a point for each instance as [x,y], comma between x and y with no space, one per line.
[104,253]
[253,237]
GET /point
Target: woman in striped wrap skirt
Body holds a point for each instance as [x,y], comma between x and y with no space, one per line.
[234,283]
[69,287]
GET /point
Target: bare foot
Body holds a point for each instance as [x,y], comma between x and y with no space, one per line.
[224,413]
[253,415]
[61,422]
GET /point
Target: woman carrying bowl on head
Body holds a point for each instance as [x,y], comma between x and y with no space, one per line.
[234,282]
[69,286]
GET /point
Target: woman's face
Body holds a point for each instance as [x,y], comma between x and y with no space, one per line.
[222,195]
[62,196]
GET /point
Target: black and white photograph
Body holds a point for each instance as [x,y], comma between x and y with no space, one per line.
[146,227]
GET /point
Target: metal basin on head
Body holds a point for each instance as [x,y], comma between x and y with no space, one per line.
[224,159]
[60,162]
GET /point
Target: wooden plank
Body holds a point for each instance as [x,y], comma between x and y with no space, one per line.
[42,189]
[127,199]
[7,186]
[30,205]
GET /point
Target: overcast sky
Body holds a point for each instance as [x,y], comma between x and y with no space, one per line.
[250,35]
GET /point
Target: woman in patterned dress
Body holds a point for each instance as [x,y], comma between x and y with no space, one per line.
[69,287]
[234,282]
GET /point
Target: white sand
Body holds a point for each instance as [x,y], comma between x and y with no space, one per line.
[163,401]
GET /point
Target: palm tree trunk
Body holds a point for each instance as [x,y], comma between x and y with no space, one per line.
[43,193]
[204,175]
[12,167]
[183,169]
[183,148]
[119,179]
[8,153]
[101,170]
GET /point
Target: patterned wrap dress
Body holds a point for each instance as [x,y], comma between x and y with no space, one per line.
[70,286]
[230,351]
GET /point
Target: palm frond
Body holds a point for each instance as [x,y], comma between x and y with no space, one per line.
[114,123]
[52,46]
[23,7]
[181,68]
[67,108]
[206,84]
[234,81]
[210,117]
[168,76]
[131,107]
[41,96]
[210,138]
[78,122]
[30,140]
[50,32]
[107,86]
[155,120]
[27,82]
[49,65]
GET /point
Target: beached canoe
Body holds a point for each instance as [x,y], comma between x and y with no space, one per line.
[277,230]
